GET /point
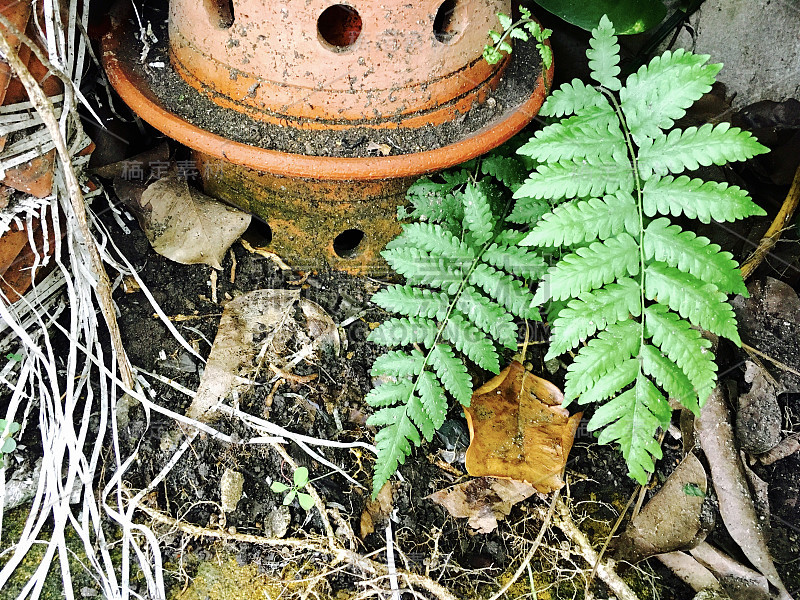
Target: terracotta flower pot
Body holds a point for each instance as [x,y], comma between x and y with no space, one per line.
[368,69]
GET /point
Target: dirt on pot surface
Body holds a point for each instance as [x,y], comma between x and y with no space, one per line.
[518,81]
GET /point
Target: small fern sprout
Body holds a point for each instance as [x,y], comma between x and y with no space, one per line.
[637,288]
[522,29]
[465,284]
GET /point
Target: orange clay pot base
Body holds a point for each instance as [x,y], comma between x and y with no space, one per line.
[162,98]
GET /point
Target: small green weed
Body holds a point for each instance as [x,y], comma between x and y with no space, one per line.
[7,443]
[300,480]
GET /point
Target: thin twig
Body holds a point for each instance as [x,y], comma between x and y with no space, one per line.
[337,553]
[776,362]
[605,568]
[775,230]
[529,556]
[103,287]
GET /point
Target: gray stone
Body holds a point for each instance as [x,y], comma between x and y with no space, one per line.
[757,40]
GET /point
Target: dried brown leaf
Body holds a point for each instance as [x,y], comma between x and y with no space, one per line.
[690,571]
[484,500]
[376,511]
[735,503]
[519,430]
[739,581]
[758,419]
[260,315]
[125,168]
[187,226]
[673,519]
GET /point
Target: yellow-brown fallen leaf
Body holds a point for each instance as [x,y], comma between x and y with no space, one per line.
[518,430]
[377,511]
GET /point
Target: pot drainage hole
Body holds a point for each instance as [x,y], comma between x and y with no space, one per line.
[346,243]
[339,25]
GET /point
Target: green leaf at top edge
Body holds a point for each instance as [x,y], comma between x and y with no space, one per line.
[629,16]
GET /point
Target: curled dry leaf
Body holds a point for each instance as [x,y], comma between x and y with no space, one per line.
[739,581]
[735,503]
[690,571]
[484,500]
[758,419]
[261,324]
[674,519]
[376,511]
[251,320]
[320,326]
[518,430]
[136,167]
[182,223]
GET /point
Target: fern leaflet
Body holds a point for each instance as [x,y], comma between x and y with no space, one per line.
[636,286]
[474,277]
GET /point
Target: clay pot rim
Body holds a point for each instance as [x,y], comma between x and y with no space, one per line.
[144,103]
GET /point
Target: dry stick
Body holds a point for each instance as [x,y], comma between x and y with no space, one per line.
[775,230]
[338,554]
[605,569]
[528,557]
[45,109]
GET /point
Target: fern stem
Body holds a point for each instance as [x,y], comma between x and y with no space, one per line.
[639,201]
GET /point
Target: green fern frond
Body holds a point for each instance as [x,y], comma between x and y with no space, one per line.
[577,178]
[590,267]
[580,221]
[702,303]
[593,311]
[695,147]
[698,199]
[398,363]
[437,202]
[404,331]
[692,254]
[489,316]
[478,215]
[600,139]
[433,400]
[505,169]
[464,288]
[469,340]
[570,98]
[413,302]
[528,210]
[612,346]
[684,346]
[393,443]
[603,55]
[611,382]
[669,377]
[452,373]
[420,268]
[658,94]
[387,394]
[630,420]
[515,260]
[631,287]
[507,290]
[433,238]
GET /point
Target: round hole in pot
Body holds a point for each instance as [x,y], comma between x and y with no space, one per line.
[221,12]
[259,233]
[346,243]
[339,26]
[450,21]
